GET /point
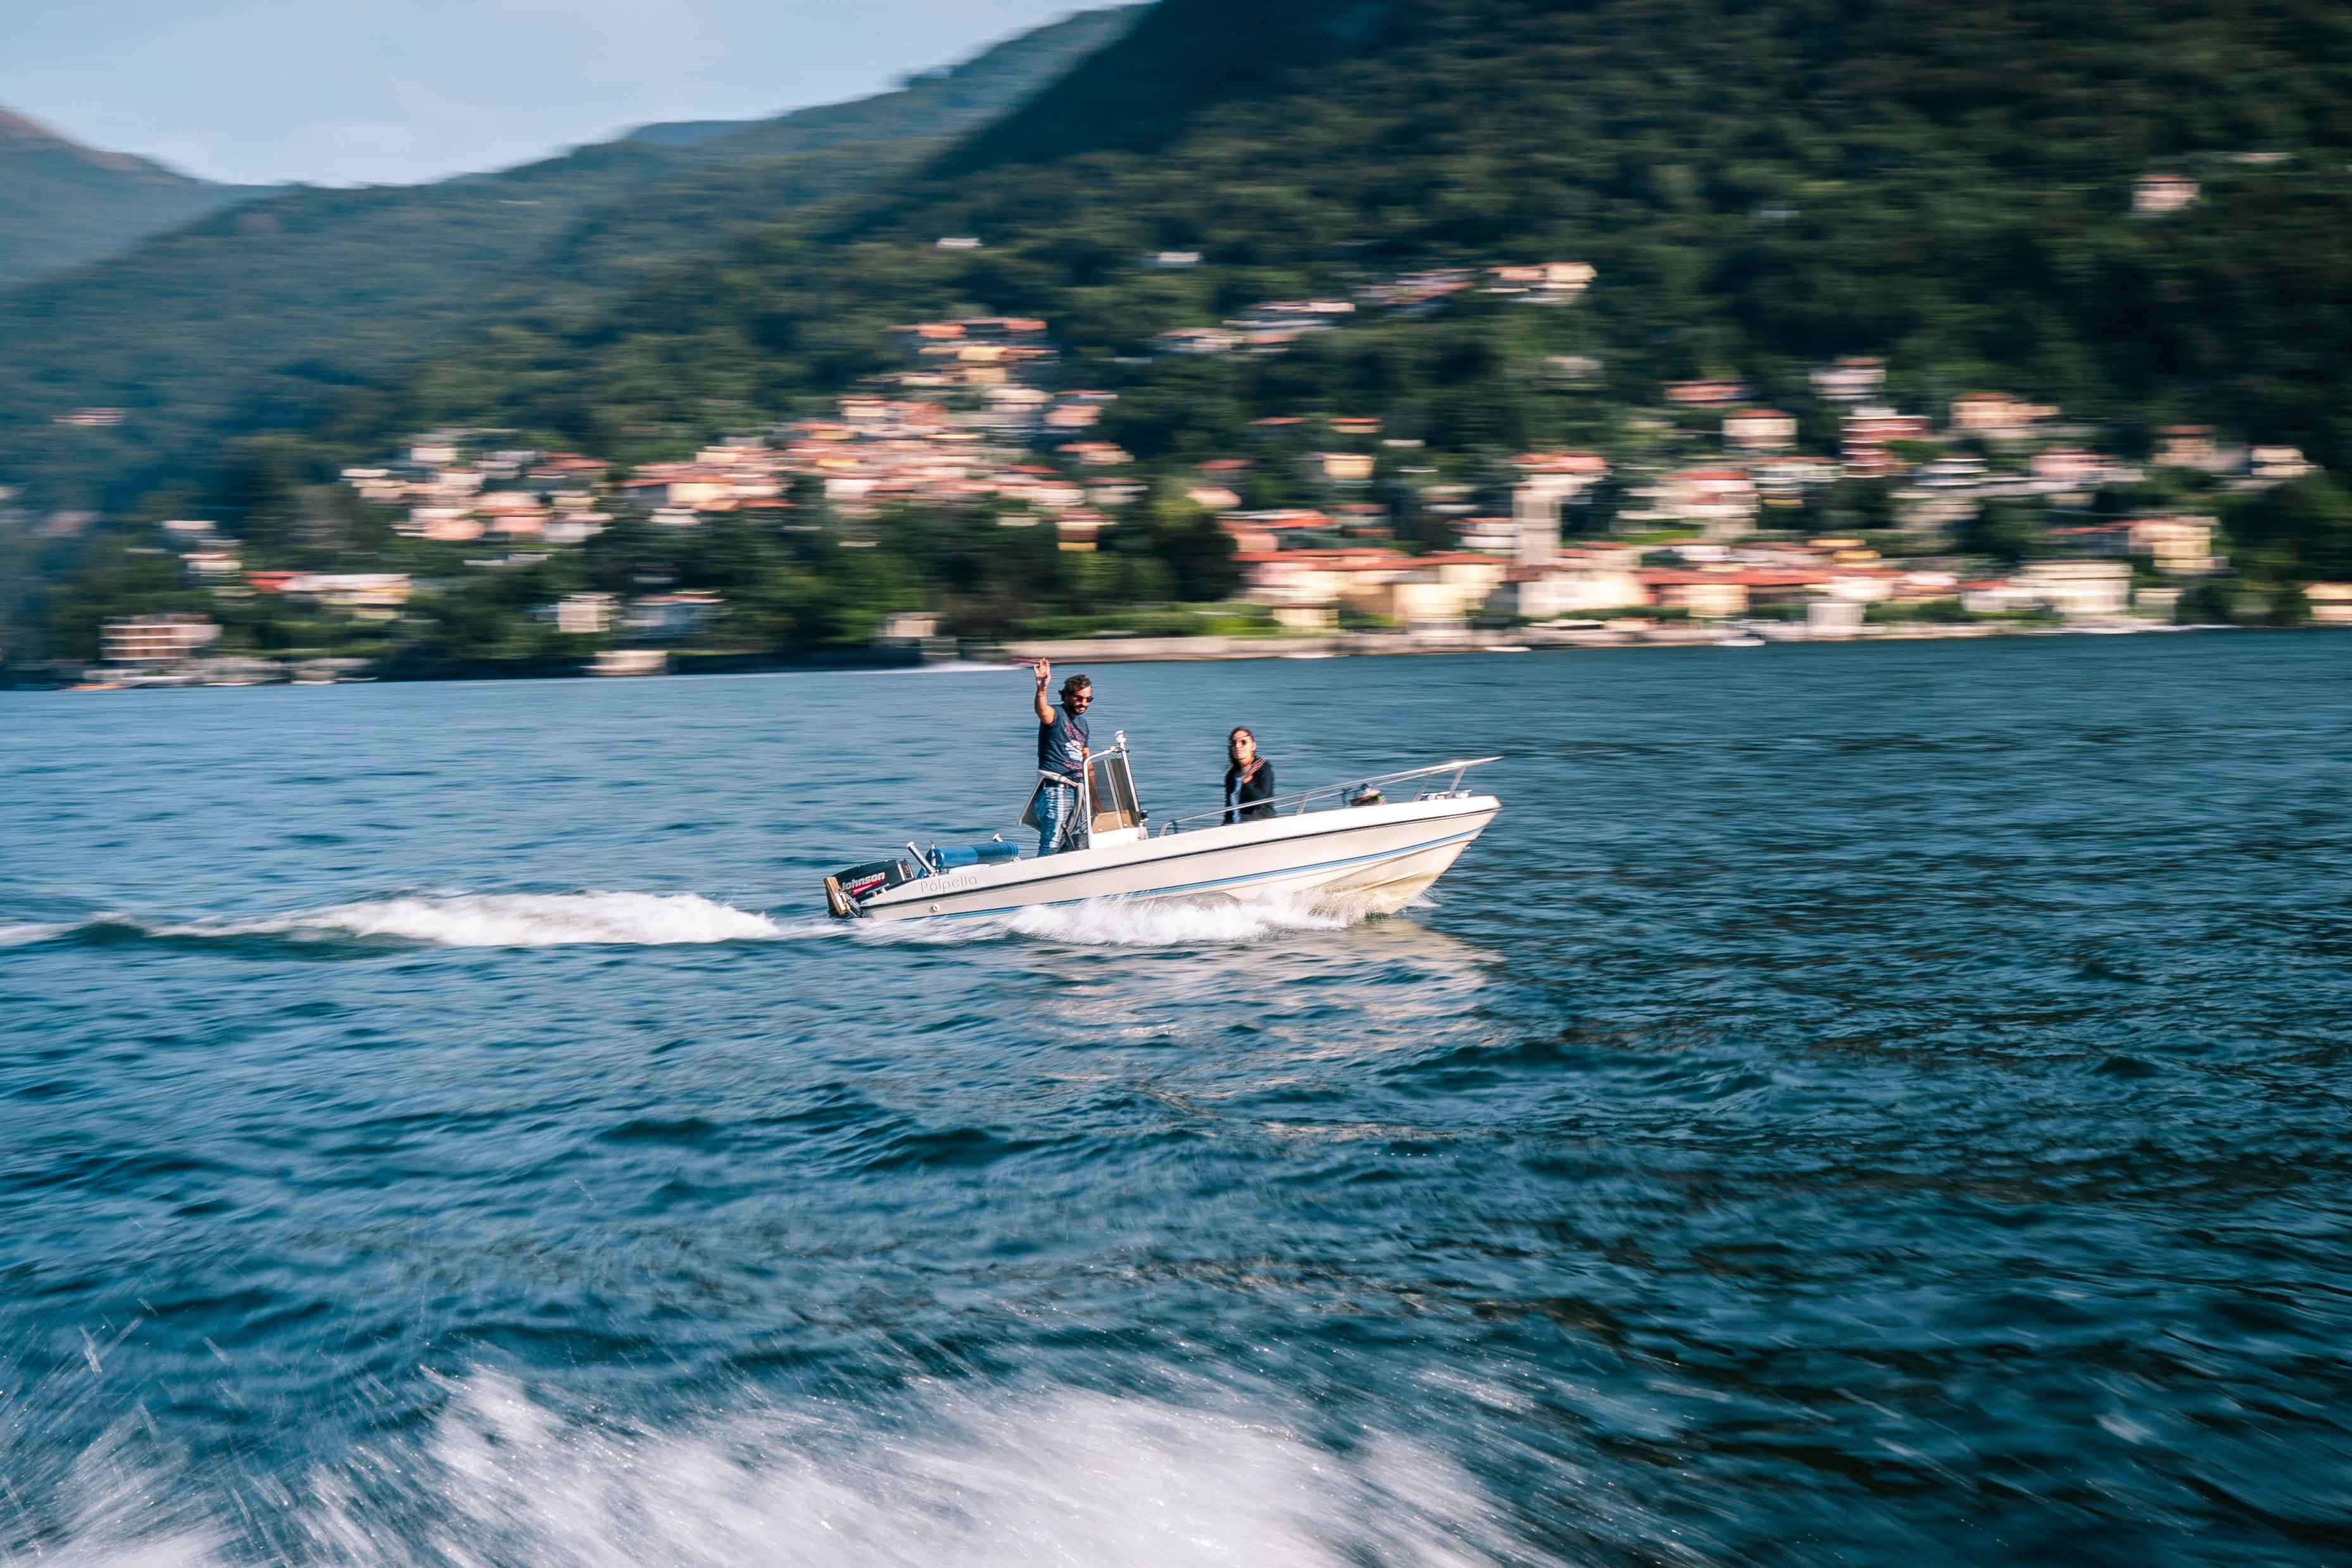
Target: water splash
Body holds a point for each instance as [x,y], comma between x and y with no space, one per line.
[1124,922]
[464,920]
[526,920]
[1057,1475]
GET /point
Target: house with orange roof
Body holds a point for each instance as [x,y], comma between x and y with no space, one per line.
[1285,528]
[1721,500]
[1997,416]
[1716,393]
[1868,432]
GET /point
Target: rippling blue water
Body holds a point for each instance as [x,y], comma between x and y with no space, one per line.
[1864,1104]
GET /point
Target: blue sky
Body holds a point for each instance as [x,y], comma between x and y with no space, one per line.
[355,92]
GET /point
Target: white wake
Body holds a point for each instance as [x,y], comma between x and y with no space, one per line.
[517,920]
[1121,923]
[508,920]
[1057,1476]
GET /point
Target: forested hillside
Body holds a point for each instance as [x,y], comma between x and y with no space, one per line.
[266,317]
[1758,184]
[62,204]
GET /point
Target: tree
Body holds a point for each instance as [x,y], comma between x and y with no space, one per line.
[2005,530]
[1199,554]
[2300,530]
[2209,603]
[1851,506]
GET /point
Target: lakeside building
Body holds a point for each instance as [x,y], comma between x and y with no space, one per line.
[1306,587]
[1573,584]
[2076,590]
[1701,594]
[2277,465]
[1548,481]
[1706,394]
[670,617]
[2064,468]
[2331,603]
[1832,619]
[2178,546]
[2154,195]
[2186,447]
[374,592]
[584,614]
[1869,430]
[155,639]
[1759,430]
[1849,380]
[1783,480]
[1722,501]
[1997,416]
[631,661]
[1283,528]
[1545,283]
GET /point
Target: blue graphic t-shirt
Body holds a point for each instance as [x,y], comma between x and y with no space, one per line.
[1059,743]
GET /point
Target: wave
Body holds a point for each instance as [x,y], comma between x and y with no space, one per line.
[1119,922]
[1057,1475]
[664,919]
[460,920]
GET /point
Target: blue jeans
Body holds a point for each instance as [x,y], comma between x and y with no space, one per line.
[1058,812]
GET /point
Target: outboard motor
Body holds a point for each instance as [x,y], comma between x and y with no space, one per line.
[844,890]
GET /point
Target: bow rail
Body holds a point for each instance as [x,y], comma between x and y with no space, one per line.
[1297,803]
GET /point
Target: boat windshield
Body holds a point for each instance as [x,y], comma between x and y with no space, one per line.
[1110,785]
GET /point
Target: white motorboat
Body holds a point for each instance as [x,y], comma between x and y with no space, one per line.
[1343,845]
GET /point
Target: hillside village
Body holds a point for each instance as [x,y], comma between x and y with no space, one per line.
[1706,522]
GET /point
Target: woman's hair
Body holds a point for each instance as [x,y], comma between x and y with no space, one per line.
[1076,683]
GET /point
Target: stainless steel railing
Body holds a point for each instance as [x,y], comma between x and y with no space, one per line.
[1296,804]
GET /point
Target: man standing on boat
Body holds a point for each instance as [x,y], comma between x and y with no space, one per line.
[1062,756]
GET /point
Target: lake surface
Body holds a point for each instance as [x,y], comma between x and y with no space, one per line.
[1870,1104]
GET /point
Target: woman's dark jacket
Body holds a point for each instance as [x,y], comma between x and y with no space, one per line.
[1258,786]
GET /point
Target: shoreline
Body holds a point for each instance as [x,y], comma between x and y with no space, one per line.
[1531,639]
[1213,650]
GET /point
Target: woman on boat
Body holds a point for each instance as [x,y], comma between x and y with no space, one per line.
[1249,779]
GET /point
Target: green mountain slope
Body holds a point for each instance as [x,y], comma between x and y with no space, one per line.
[1760,184]
[62,204]
[263,317]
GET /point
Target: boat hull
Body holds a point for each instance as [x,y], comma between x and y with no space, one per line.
[1372,858]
